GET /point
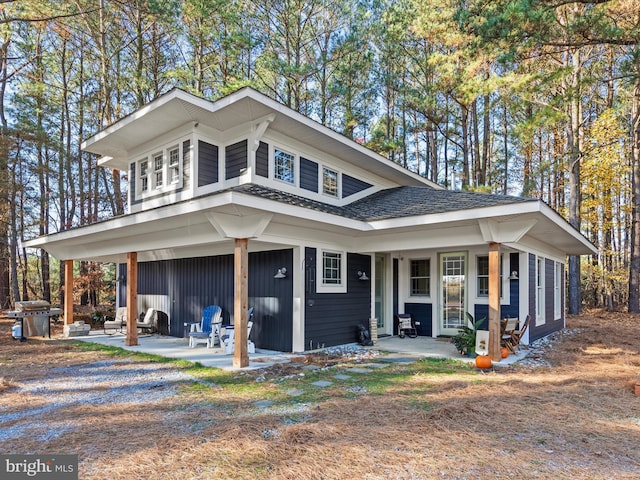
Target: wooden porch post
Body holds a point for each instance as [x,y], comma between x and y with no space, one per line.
[494,301]
[68,292]
[132,299]
[240,304]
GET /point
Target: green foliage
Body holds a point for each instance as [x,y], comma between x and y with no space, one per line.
[465,341]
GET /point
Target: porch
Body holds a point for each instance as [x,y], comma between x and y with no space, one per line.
[393,348]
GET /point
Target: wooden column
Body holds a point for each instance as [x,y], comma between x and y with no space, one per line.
[68,292]
[240,304]
[494,301]
[132,299]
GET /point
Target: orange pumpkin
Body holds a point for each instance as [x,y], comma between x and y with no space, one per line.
[483,361]
[504,352]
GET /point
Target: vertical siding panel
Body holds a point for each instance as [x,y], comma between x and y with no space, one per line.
[262,160]
[308,175]
[351,185]
[182,288]
[332,319]
[207,163]
[235,159]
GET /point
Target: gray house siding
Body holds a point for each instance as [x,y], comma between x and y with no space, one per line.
[550,324]
[351,185]
[422,314]
[308,175]
[333,318]
[207,163]
[262,160]
[188,285]
[235,159]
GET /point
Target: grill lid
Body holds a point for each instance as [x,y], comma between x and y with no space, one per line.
[32,306]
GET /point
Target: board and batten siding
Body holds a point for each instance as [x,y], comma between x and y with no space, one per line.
[550,324]
[262,160]
[181,289]
[207,163]
[351,185]
[332,318]
[235,159]
[308,175]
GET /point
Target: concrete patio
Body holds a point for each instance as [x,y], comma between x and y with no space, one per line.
[178,348]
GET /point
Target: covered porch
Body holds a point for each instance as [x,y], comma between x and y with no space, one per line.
[391,348]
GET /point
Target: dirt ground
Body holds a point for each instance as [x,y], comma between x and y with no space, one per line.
[568,412]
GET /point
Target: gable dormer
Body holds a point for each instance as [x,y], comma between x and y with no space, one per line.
[180,147]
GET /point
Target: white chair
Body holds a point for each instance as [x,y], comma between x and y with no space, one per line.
[228,339]
[150,321]
[117,323]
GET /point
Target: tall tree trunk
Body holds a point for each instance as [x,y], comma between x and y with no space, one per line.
[574,149]
[634,263]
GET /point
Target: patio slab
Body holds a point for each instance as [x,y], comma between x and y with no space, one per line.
[397,350]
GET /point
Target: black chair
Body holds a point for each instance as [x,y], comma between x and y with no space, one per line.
[406,326]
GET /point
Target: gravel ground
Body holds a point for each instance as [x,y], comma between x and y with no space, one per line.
[108,382]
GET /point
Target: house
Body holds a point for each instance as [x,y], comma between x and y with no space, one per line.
[243,201]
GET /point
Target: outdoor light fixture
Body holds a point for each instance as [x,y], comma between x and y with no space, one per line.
[513,276]
[282,273]
[362,276]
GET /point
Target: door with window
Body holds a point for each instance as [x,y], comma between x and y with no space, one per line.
[453,268]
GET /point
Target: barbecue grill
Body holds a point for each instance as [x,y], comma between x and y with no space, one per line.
[34,319]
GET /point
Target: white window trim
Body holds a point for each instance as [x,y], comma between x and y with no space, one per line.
[331,288]
[419,295]
[540,291]
[557,291]
[167,185]
[504,287]
[338,181]
[296,163]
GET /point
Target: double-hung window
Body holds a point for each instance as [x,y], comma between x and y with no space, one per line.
[420,277]
[284,167]
[159,172]
[174,165]
[482,275]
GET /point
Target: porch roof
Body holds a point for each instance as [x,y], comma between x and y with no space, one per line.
[390,220]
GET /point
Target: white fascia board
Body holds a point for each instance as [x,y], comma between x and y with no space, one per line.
[564,225]
[142,111]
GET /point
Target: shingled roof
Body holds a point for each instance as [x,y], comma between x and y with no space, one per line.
[399,202]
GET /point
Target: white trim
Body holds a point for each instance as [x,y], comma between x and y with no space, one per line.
[540,291]
[321,286]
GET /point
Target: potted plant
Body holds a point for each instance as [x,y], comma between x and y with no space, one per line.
[465,341]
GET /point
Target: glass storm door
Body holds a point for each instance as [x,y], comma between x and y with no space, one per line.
[453,271]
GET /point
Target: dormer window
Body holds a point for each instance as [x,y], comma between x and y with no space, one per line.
[158,168]
[159,172]
[144,179]
[329,182]
[284,167]
[174,164]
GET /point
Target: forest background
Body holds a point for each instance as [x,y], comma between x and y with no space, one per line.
[537,98]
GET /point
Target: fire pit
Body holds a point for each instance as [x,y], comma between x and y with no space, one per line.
[34,319]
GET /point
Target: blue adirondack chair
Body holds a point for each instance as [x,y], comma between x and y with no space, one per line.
[208,330]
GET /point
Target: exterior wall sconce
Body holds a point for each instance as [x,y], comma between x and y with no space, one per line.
[282,273]
[513,276]
[362,276]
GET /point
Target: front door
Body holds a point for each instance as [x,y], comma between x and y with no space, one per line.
[453,267]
